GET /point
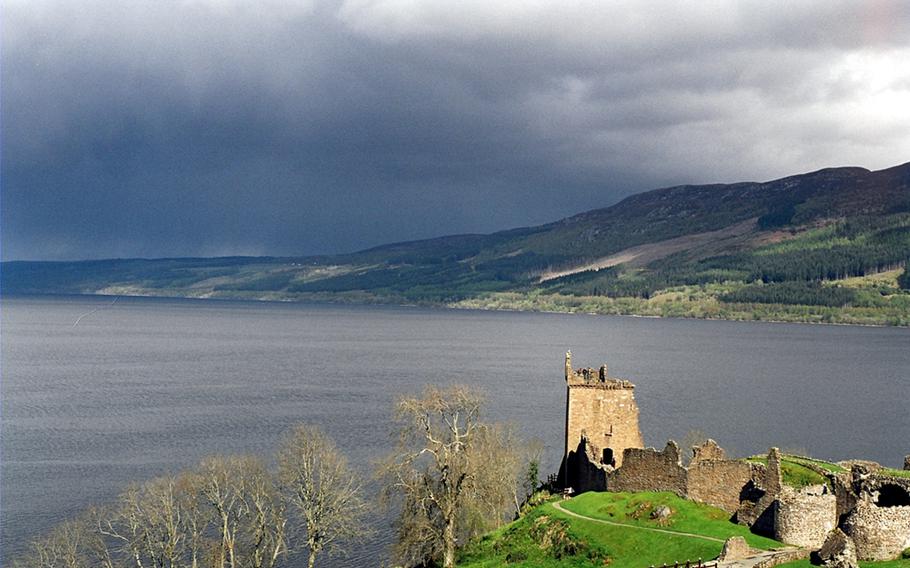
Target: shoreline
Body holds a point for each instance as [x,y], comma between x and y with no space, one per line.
[474,304]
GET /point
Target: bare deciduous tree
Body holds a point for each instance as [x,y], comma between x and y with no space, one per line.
[218,490]
[323,490]
[229,512]
[449,470]
[154,524]
[67,546]
[124,526]
[196,518]
[161,517]
[248,511]
[265,519]
[495,468]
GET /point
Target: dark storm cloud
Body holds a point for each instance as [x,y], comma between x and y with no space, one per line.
[228,127]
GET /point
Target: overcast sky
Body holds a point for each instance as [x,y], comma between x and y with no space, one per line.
[216,127]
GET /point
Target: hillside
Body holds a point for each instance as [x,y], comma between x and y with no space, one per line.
[829,246]
[622,530]
[615,529]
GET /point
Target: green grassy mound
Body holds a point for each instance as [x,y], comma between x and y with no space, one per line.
[546,536]
[795,473]
[687,516]
[895,472]
[826,465]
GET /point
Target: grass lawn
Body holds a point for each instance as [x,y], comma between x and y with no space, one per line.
[796,474]
[687,516]
[546,537]
[896,472]
[826,465]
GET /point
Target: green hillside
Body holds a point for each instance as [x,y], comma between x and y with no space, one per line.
[618,530]
[828,246]
[615,529]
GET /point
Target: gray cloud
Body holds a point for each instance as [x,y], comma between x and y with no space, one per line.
[202,127]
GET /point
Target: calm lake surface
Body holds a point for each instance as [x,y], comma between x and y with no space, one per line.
[96,394]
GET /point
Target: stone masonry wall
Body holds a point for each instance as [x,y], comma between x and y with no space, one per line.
[583,471]
[720,482]
[603,451]
[759,515]
[805,517]
[708,451]
[603,409]
[650,470]
[608,417]
[880,533]
[843,491]
[709,479]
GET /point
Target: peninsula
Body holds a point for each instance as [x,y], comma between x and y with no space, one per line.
[626,505]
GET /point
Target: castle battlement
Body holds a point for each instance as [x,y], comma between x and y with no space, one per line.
[587,377]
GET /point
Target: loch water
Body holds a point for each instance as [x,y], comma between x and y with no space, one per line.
[97,392]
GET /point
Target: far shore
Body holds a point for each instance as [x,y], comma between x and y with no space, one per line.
[548,304]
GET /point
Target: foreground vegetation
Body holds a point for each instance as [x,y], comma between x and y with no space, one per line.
[455,480]
[546,536]
[228,512]
[452,476]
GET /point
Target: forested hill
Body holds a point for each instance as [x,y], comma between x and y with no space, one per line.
[829,245]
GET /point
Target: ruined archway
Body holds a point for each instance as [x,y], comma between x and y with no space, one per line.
[891,495]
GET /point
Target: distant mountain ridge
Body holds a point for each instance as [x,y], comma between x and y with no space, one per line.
[803,231]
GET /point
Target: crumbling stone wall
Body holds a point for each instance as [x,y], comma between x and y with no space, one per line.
[721,482]
[707,451]
[758,514]
[843,492]
[837,552]
[646,469]
[583,469]
[804,517]
[879,533]
[880,522]
[710,478]
[603,451]
[604,410]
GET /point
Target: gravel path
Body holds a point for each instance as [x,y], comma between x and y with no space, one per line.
[558,507]
[749,562]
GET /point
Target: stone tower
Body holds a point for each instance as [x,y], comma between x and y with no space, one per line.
[603,411]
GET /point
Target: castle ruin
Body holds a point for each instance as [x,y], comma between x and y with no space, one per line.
[863,509]
[601,423]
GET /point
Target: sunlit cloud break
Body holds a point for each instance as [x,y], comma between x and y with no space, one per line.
[291,128]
